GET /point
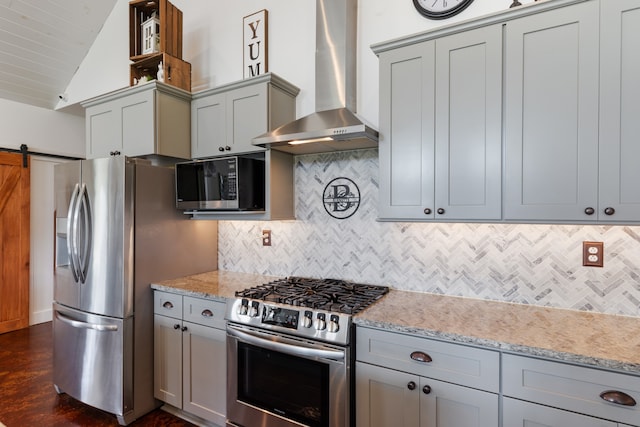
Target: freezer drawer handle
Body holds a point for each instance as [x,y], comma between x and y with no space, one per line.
[618,397]
[85,325]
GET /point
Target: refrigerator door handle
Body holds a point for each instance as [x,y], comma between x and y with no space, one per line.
[72,230]
[84,325]
[85,223]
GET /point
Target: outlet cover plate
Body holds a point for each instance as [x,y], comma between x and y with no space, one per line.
[593,254]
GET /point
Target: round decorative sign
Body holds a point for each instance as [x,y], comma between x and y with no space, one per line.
[341,198]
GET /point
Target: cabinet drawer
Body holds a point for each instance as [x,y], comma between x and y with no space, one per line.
[460,364]
[204,312]
[167,304]
[570,387]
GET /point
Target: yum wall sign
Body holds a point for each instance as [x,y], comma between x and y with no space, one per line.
[255,44]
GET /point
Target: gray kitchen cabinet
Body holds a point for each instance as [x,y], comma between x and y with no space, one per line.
[152,119]
[596,394]
[406,380]
[190,355]
[225,119]
[440,128]
[551,114]
[619,107]
[520,413]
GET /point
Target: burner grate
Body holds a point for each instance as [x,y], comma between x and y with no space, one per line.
[325,294]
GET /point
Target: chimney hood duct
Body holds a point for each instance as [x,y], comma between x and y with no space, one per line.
[334,126]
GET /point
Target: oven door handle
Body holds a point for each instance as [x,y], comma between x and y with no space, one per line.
[284,345]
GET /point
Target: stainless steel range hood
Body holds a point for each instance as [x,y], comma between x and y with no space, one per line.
[334,126]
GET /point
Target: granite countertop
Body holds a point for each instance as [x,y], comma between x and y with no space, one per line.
[599,340]
[593,339]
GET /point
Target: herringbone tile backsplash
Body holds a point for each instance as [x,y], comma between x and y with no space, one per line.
[530,264]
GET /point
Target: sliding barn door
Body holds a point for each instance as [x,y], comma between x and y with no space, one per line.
[14,242]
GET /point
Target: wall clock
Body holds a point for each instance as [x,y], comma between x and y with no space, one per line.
[440,9]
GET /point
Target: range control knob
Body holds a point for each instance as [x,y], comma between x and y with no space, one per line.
[321,325]
[253,311]
[334,323]
[244,307]
[307,319]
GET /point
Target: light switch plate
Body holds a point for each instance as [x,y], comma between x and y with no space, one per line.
[592,254]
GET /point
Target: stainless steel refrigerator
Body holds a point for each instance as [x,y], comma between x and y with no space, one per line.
[117,231]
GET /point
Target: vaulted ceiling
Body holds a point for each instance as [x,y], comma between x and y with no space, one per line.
[42,44]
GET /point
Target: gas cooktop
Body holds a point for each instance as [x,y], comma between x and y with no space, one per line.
[331,295]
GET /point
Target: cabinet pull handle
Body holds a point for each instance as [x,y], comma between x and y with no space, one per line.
[589,211]
[207,313]
[176,326]
[618,397]
[420,356]
[440,211]
[168,305]
[427,211]
[411,385]
[114,153]
[609,211]
[426,389]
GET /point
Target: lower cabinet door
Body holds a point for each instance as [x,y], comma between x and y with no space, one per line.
[385,397]
[204,372]
[167,354]
[449,405]
[517,413]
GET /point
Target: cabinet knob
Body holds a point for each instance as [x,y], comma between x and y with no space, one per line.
[609,211]
[440,211]
[589,211]
[427,211]
[168,304]
[421,356]
[207,313]
[176,326]
[220,148]
[426,389]
[411,385]
[184,328]
[227,148]
[618,397]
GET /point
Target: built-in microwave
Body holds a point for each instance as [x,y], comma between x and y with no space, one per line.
[233,183]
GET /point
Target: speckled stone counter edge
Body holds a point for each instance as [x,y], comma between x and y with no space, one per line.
[506,327]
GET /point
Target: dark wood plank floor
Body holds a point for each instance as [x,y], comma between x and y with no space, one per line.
[27,396]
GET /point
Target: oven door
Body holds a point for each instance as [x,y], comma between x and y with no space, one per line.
[281,381]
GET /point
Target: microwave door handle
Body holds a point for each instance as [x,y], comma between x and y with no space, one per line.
[284,345]
[71,231]
[87,233]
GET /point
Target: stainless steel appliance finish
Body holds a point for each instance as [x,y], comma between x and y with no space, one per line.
[334,126]
[289,352]
[117,231]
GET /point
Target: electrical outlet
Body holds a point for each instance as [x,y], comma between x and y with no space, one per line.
[593,254]
[266,237]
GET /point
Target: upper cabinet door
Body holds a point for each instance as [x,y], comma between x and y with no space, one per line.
[620,105]
[468,125]
[406,143]
[551,113]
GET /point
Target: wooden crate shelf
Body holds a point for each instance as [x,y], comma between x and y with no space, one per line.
[170,18]
[176,71]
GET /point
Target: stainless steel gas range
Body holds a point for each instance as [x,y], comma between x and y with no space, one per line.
[289,352]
